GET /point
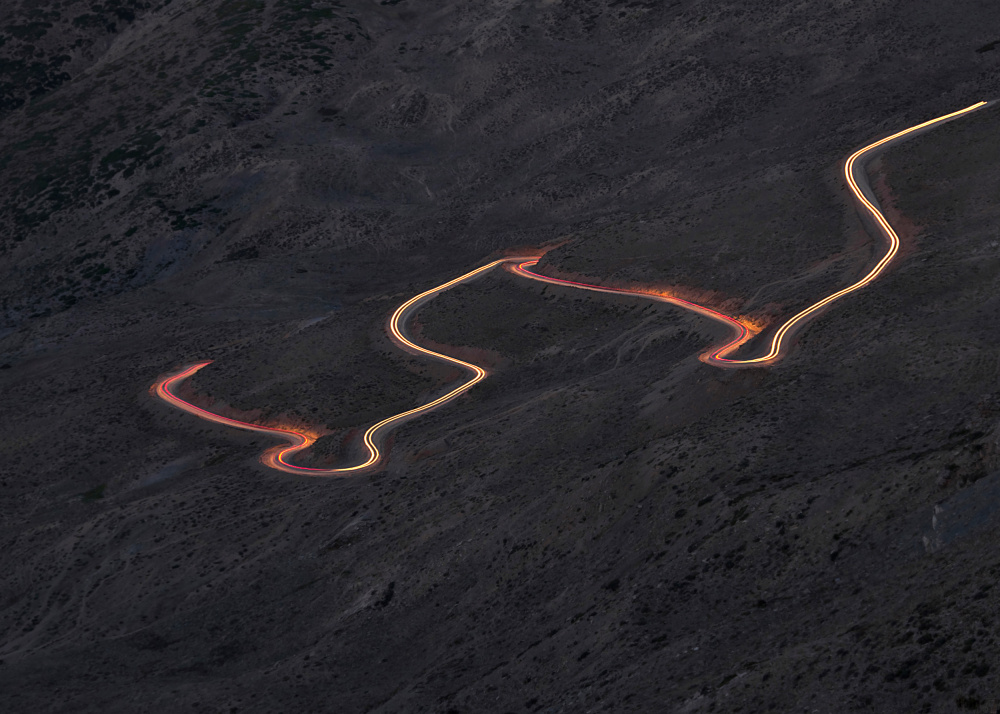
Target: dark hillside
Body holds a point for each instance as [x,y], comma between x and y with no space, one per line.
[606,524]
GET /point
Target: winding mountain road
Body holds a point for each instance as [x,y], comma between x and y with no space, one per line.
[279,457]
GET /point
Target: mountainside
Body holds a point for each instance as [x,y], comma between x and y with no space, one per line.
[606,523]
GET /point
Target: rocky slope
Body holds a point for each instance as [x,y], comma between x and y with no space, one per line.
[606,524]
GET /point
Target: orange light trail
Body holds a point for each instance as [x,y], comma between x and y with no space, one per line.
[274,458]
[813,310]
[743,331]
[278,457]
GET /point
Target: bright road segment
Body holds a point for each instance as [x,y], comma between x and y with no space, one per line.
[301,439]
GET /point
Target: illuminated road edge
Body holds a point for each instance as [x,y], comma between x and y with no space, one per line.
[278,457]
[854,172]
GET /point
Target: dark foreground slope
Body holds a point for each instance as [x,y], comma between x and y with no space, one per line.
[606,524]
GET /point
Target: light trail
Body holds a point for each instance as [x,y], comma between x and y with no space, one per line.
[272,457]
[813,310]
[743,331]
[278,457]
[783,333]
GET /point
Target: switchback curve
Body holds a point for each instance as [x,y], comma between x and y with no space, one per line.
[278,457]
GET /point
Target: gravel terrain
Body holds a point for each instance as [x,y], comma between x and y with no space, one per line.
[606,524]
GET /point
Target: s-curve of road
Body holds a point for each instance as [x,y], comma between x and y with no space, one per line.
[299,440]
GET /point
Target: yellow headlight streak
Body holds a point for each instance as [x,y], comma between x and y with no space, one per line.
[278,457]
[396,332]
[301,439]
[811,311]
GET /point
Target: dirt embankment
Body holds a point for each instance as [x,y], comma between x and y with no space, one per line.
[758,319]
[489,360]
[908,231]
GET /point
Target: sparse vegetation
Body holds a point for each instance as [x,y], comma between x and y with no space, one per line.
[605,524]
[94,494]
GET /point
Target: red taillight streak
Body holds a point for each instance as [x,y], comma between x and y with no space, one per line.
[742,330]
[300,440]
[276,457]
